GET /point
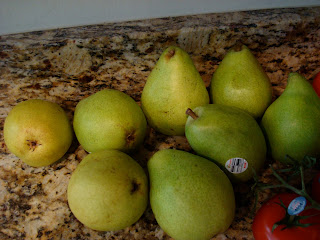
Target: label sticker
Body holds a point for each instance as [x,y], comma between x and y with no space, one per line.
[297,205]
[236,165]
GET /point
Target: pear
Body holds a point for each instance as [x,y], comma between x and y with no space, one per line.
[109,119]
[190,196]
[172,86]
[108,191]
[292,122]
[38,132]
[241,82]
[228,136]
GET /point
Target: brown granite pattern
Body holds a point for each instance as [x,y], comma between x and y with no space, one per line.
[66,65]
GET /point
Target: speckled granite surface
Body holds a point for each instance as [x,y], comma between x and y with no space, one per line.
[66,65]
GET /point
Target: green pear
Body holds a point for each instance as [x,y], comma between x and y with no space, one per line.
[228,136]
[172,86]
[108,191]
[109,119]
[241,82]
[38,132]
[292,122]
[191,197]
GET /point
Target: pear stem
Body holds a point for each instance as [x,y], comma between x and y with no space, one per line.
[191,114]
[170,54]
[237,47]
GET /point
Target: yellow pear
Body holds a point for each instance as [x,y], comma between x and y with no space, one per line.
[38,132]
[109,119]
[108,191]
[172,86]
[240,81]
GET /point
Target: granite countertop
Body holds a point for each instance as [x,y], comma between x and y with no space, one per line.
[67,65]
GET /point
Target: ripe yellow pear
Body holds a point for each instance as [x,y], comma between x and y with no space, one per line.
[172,86]
[108,191]
[240,81]
[109,119]
[38,132]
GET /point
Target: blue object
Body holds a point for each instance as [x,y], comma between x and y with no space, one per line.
[297,205]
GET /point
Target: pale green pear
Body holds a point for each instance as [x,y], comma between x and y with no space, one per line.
[292,122]
[228,136]
[108,191]
[109,119]
[191,197]
[240,81]
[38,132]
[172,86]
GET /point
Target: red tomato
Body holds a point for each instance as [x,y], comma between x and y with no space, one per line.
[316,84]
[316,188]
[271,212]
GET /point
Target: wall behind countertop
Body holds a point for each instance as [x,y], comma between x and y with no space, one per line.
[23,16]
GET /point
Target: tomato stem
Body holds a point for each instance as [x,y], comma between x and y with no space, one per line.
[296,170]
[302,179]
[284,183]
[291,219]
[301,192]
[270,186]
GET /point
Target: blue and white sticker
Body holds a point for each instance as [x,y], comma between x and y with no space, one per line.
[236,165]
[297,205]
